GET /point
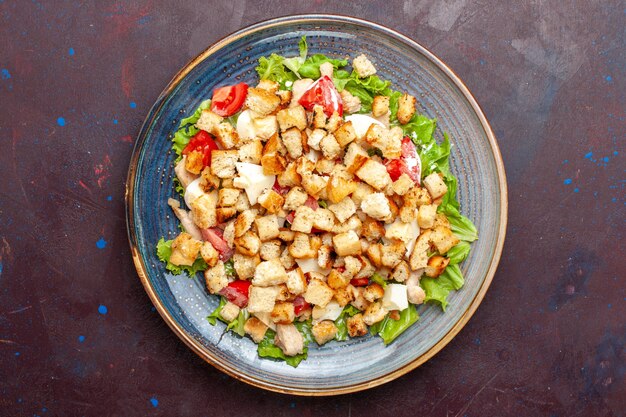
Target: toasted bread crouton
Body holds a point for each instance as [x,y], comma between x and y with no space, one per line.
[363,66]
[285,97]
[393,145]
[353,223]
[359,300]
[375,254]
[194,162]
[292,117]
[361,191]
[406,108]
[227,197]
[242,203]
[426,216]
[286,235]
[229,312]
[417,196]
[209,254]
[251,152]
[314,184]
[375,174]
[215,278]
[273,163]
[324,257]
[283,313]
[262,299]
[245,265]
[436,265]
[376,136]
[296,282]
[203,209]
[380,106]
[443,239]
[345,134]
[402,185]
[318,293]
[185,249]
[324,331]
[224,214]
[267,227]
[347,243]
[377,206]
[323,219]
[319,117]
[336,280]
[373,292]
[441,220]
[223,163]
[248,244]
[244,221]
[419,257]
[339,188]
[355,157]
[372,229]
[289,177]
[296,197]
[301,247]
[208,181]
[353,265]
[229,234]
[334,121]
[343,209]
[343,296]
[268,85]
[324,166]
[269,273]
[374,313]
[356,326]
[401,272]
[271,201]
[226,135]
[255,329]
[209,121]
[330,147]
[400,231]
[408,214]
[261,101]
[393,253]
[367,269]
[292,139]
[303,219]
[270,249]
[435,185]
[351,104]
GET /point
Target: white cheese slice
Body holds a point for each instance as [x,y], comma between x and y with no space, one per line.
[266,318]
[362,122]
[415,232]
[311,265]
[251,126]
[252,180]
[192,192]
[395,297]
[330,312]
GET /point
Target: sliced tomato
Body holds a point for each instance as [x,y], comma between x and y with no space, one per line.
[300,305]
[359,282]
[324,93]
[228,100]
[237,292]
[290,217]
[216,237]
[201,142]
[280,189]
[409,163]
[311,202]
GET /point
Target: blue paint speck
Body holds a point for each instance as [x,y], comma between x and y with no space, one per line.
[608,78]
[292,405]
[109,197]
[605,159]
[17,353]
[615,153]
[567,181]
[19,400]
[5,74]
[576,190]
[133,104]
[81,338]
[154,402]
[589,155]
[70,52]
[115,121]
[101,243]
[61,121]
[482,62]
[565,161]
[44,409]
[609,305]
[102,309]
[614,200]
[477,341]
[0,267]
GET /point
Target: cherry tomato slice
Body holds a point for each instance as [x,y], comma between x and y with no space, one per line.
[300,305]
[280,189]
[216,237]
[228,100]
[324,93]
[359,282]
[237,292]
[409,163]
[204,143]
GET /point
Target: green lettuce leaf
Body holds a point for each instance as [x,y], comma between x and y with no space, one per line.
[378,279]
[187,129]
[460,225]
[272,68]
[215,315]
[366,89]
[237,324]
[296,62]
[164,251]
[229,268]
[437,289]
[267,348]
[458,253]
[389,329]
[311,67]
[342,322]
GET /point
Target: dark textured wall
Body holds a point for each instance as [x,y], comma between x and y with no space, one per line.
[78,335]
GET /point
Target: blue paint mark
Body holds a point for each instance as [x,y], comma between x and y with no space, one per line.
[102,309]
[589,155]
[614,200]
[605,159]
[576,190]
[17,353]
[81,338]
[565,161]
[19,400]
[615,153]
[292,405]
[609,305]
[115,121]
[5,74]
[154,402]
[70,52]
[44,409]
[608,78]
[477,341]
[482,62]
[61,121]
[0,267]
[144,20]
[567,181]
[133,104]
[153,309]
[101,243]
[109,197]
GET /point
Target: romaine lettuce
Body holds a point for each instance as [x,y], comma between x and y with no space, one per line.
[164,251]
[389,329]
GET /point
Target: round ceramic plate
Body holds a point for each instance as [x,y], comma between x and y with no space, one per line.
[337,367]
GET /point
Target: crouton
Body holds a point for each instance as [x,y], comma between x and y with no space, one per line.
[303,219]
[402,185]
[262,299]
[283,313]
[314,184]
[248,244]
[419,257]
[286,235]
[345,134]
[267,227]
[301,247]
[374,313]
[426,216]
[242,203]
[261,101]
[373,292]
[375,174]
[393,145]
[209,254]
[337,280]
[347,243]
[273,163]
[286,259]
[330,147]
[269,273]
[393,253]
[353,223]
[351,104]
[338,188]
[443,239]
[227,197]
[203,209]
[315,137]
[356,326]
[355,157]
[296,282]
[380,106]
[323,219]
[372,229]
[285,97]
[324,166]
[226,135]
[255,329]
[417,196]
[408,214]
[367,269]
[292,117]
[289,177]
[435,185]
[324,331]
[215,278]
[292,139]
[334,121]
[224,214]
[318,293]
[244,221]
[271,201]
[209,121]
[436,265]
[296,197]
[376,136]
[251,152]
[319,117]
[343,209]
[185,249]
[401,272]
[441,220]
[208,181]
[353,266]
[229,312]
[223,163]
[400,231]
[361,191]
[343,296]
[363,66]
[194,162]
[245,265]
[268,85]
[270,249]
[359,300]
[324,257]
[375,254]
[229,234]
[376,205]
[406,108]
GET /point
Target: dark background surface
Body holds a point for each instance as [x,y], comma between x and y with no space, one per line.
[78,335]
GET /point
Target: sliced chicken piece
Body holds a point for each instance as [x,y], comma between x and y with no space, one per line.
[185,177]
[289,339]
[185,219]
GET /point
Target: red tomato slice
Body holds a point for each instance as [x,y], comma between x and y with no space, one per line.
[215,237]
[279,189]
[311,202]
[409,163]
[290,217]
[201,142]
[300,305]
[324,93]
[359,282]
[237,292]
[228,100]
